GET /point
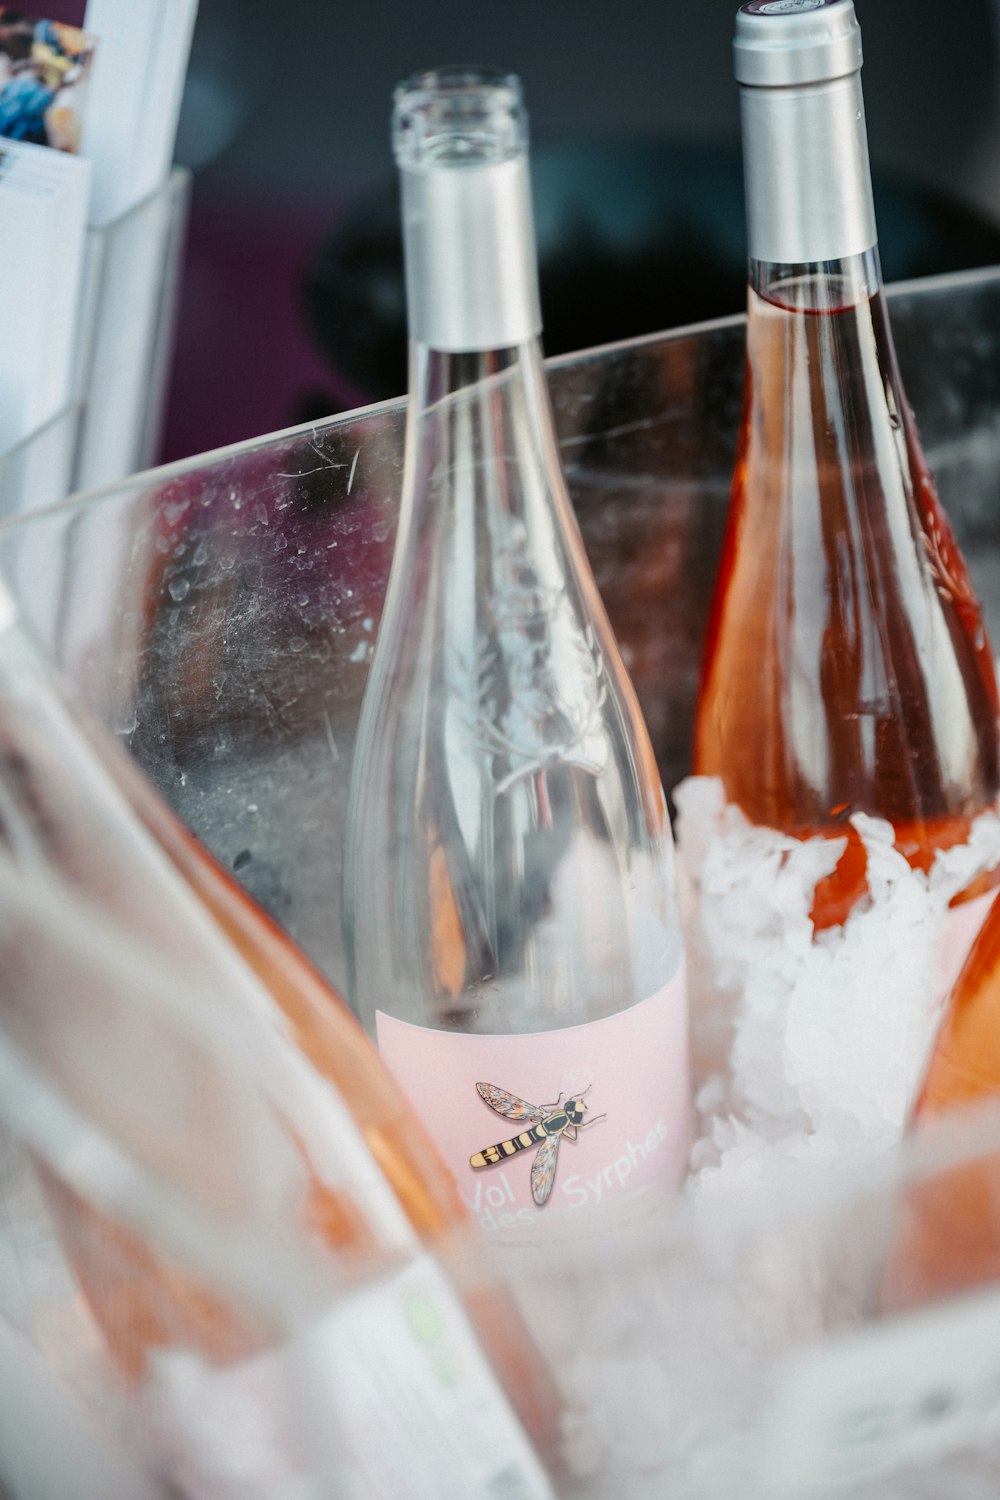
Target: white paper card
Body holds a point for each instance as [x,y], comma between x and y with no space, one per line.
[43,214]
[134,97]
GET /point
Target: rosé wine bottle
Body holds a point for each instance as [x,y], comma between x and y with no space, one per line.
[191,1165]
[947,1232]
[73,803]
[511,917]
[965,1062]
[847,668]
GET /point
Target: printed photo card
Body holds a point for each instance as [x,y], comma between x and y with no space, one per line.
[44,67]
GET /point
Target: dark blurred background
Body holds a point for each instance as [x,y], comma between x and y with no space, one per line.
[292,303]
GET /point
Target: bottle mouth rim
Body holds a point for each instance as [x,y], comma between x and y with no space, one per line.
[458,79]
[786,8]
[458,116]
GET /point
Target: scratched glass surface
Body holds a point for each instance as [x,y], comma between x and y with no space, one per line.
[220,613]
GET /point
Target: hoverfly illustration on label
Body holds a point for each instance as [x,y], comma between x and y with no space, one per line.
[553,1121]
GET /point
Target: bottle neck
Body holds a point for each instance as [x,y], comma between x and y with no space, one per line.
[819,286]
[479,431]
[471,274]
[438,377]
[808,182]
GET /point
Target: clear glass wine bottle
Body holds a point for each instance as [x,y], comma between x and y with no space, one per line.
[847,668]
[510,908]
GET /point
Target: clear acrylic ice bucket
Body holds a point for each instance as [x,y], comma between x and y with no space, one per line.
[220,615]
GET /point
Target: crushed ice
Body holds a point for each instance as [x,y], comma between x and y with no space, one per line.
[808,1051]
[811,1045]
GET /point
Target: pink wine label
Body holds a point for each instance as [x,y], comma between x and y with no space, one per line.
[961,928]
[543,1129]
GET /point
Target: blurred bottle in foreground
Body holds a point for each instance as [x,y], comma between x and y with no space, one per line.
[510,912]
[947,1239]
[965,1063]
[71,801]
[183,1148]
[847,668]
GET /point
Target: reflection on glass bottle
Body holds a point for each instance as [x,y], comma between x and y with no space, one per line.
[510,900]
[847,668]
